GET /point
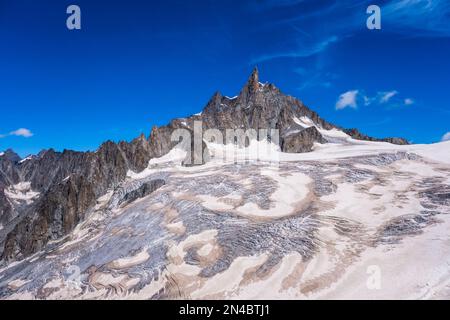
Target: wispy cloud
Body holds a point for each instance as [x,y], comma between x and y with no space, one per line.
[22,132]
[303,51]
[446,137]
[347,100]
[426,18]
[418,18]
[386,96]
[391,97]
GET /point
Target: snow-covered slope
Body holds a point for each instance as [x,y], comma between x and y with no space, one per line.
[352,219]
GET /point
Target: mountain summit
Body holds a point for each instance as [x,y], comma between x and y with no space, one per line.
[264,106]
[10,155]
[252,85]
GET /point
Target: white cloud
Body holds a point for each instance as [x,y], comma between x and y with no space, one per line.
[347,99]
[408,102]
[22,132]
[446,137]
[386,96]
[354,97]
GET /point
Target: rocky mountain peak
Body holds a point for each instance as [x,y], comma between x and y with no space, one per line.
[251,87]
[10,155]
[214,102]
[253,80]
[142,137]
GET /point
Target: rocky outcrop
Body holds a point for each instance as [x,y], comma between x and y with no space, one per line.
[355,134]
[57,213]
[9,175]
[302,141]
[8,168]
[145,189]
[6,210]
[138,153]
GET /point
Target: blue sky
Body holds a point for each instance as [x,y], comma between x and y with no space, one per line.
[135,64]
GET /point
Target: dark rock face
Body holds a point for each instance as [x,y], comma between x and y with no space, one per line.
[69,182]
[138,153]
[302,141]
[161,139]
[144,190]
[57,213]
[6,210]
[8,168]
[11,156]
[9,175]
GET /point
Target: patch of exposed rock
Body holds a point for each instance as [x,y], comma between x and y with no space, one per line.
[302,141]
